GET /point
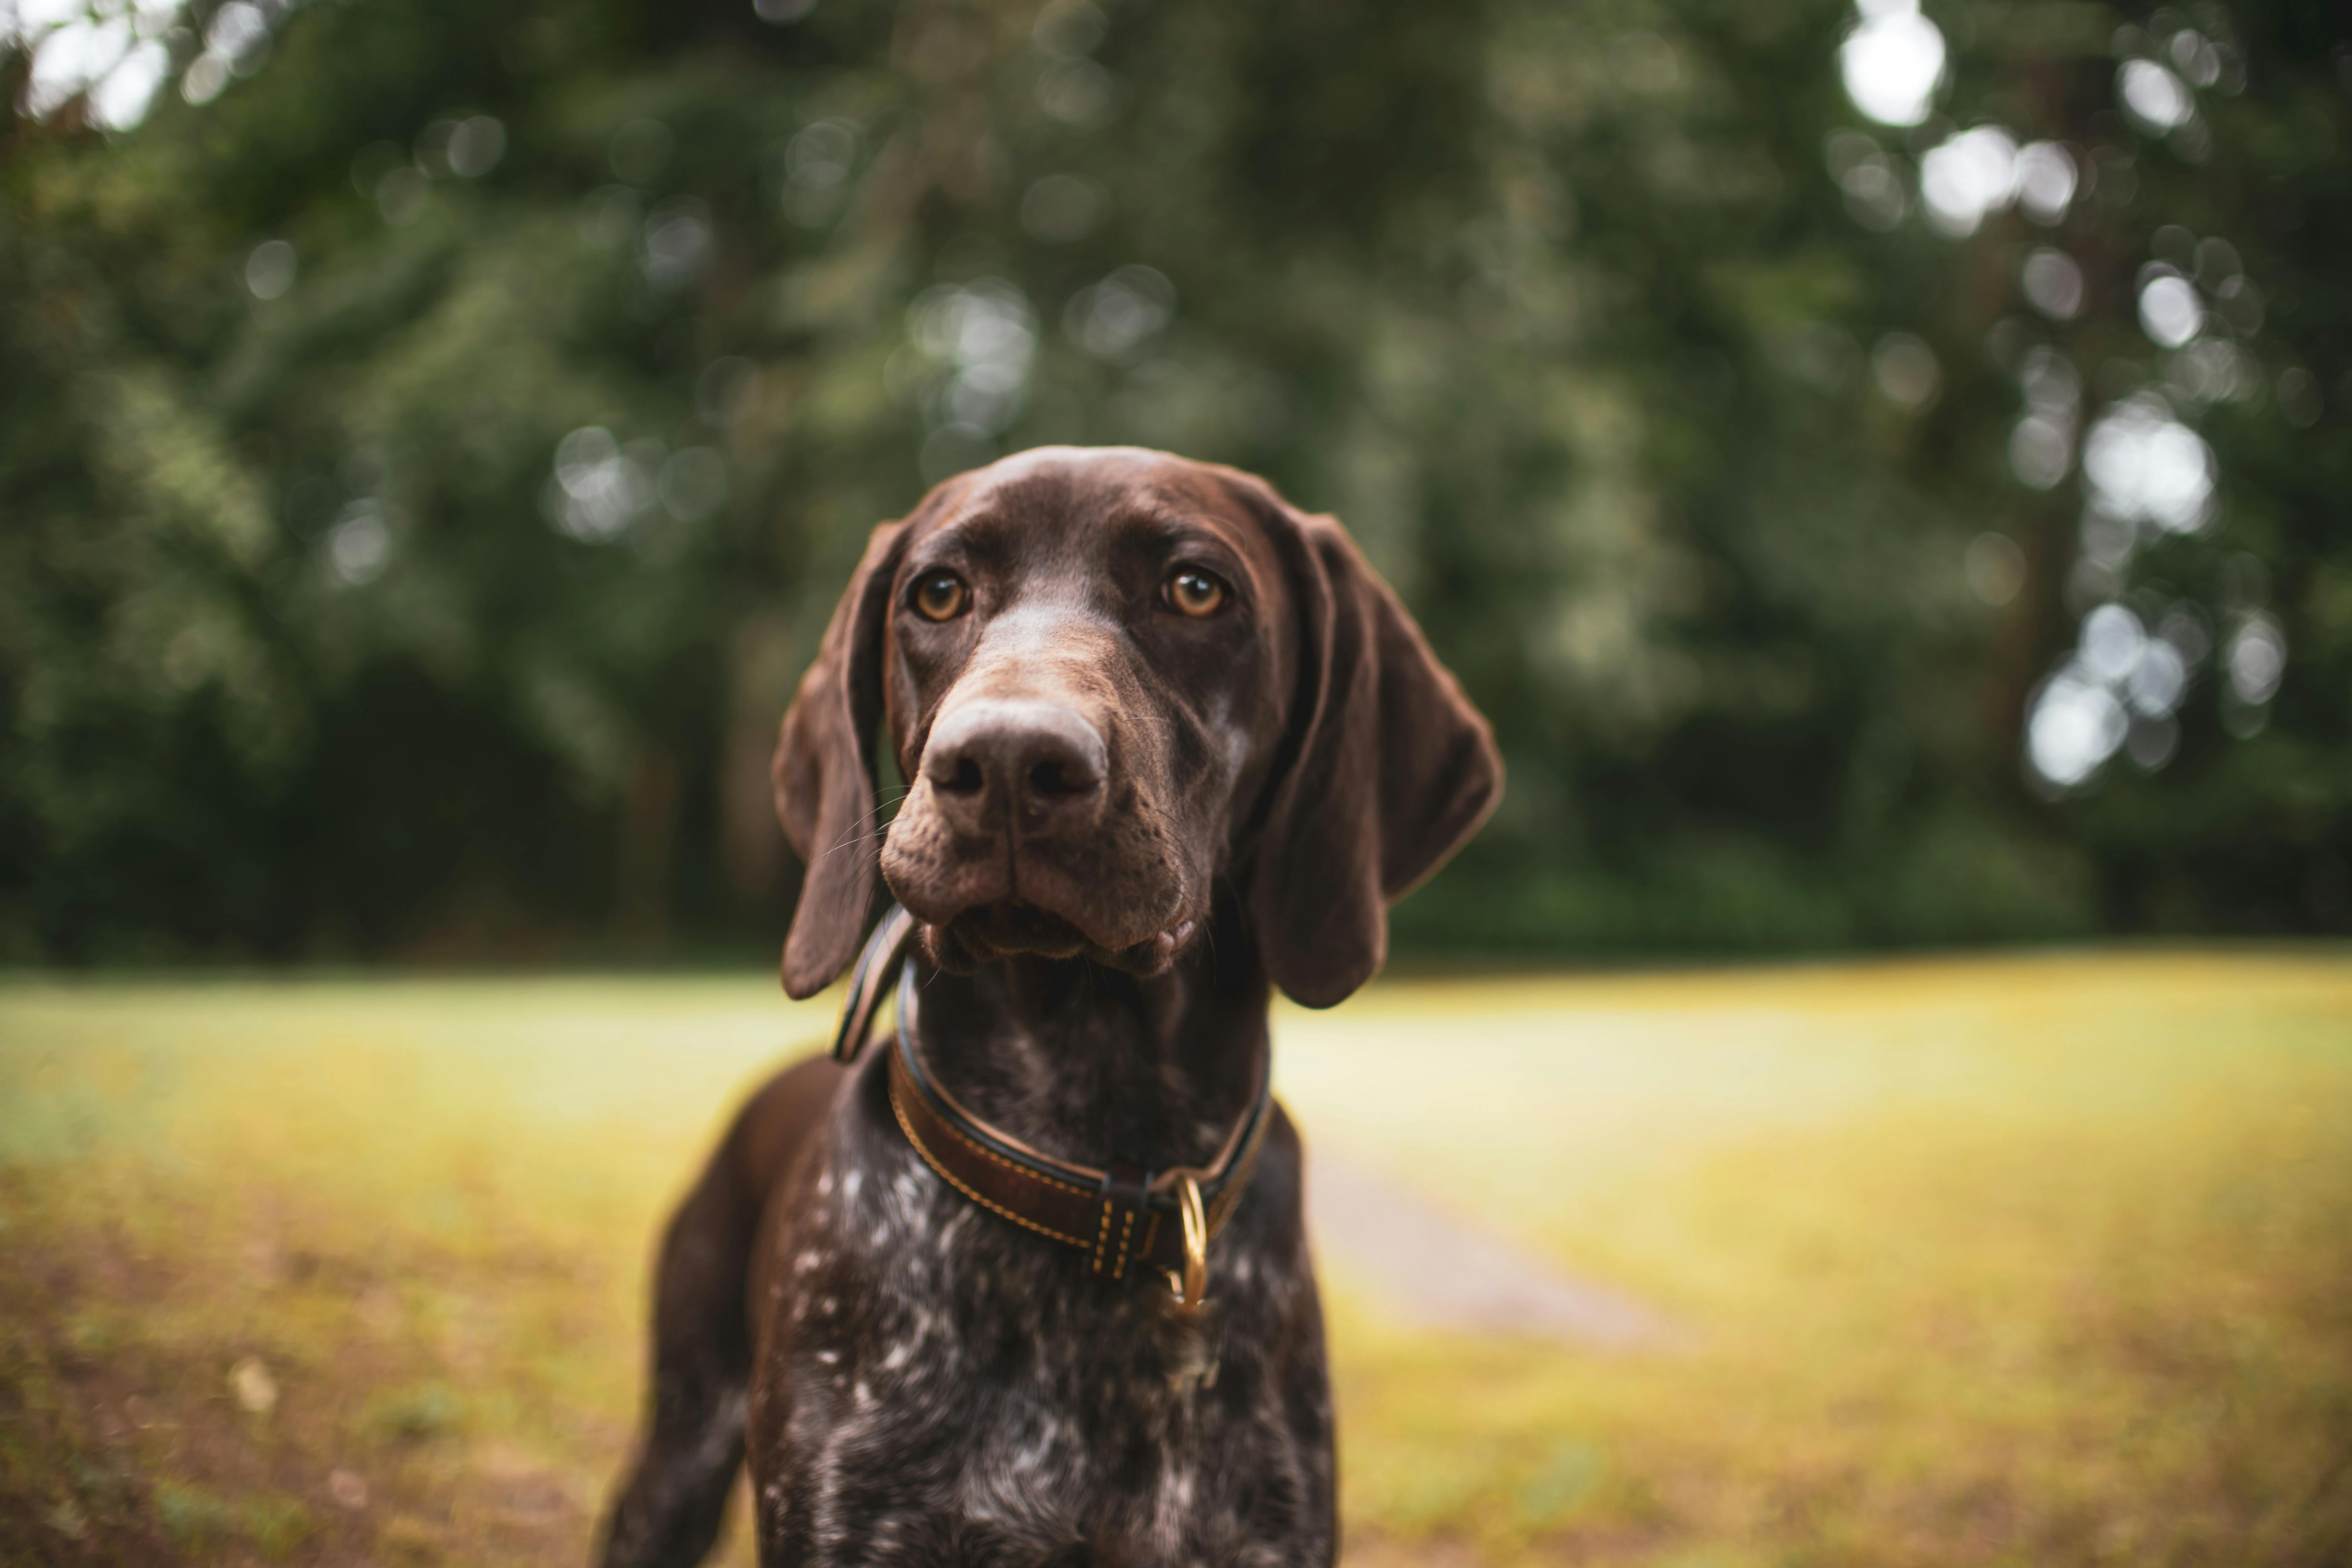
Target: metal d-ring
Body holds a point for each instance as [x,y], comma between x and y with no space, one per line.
[1191,1288]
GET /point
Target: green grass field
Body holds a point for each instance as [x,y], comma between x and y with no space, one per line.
[2023,1261]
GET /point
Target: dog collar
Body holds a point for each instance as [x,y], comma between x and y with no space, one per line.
[1124,1215]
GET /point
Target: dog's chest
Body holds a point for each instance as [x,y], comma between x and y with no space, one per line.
[945,1388]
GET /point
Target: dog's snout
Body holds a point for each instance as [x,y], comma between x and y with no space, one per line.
[1039,765]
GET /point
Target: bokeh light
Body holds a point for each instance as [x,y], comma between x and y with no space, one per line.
[1903,369]
[2169,310]
[1967,176]
[2157,99]
[359,544]
[269,270]
[2257,659]
[2047,180]
[2041,444]
[2144,465]
[599,488]
[976,345]
[1117,318]
[2075,725]
[1892,62]
[1875,194]
[112,53]
[818,162]
[2052,283]
[675,244]
[2119,692]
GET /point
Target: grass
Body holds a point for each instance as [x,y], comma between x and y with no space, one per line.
[2016,1260]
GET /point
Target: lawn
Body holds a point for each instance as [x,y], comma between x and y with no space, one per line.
[2031,1259]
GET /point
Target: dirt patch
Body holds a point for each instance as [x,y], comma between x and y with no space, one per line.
[1432,1269]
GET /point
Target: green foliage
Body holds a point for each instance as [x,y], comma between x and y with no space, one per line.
[425,461]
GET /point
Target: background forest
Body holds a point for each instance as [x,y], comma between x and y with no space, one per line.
[1884,471]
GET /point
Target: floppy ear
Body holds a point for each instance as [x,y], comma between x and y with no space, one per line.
[823,774]
[1393,771]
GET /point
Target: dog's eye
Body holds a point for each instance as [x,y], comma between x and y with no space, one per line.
[1195,592]
[941,596]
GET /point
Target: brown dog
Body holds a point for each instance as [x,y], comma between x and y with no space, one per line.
[1170,743]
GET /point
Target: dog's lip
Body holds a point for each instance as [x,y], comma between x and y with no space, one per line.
[1017,925]
[1007,926]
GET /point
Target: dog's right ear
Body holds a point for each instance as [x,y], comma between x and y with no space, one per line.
[1394,768]
[824,775]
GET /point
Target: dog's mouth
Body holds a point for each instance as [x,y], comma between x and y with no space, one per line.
[1014,926]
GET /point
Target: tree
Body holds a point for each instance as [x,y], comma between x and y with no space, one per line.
[432,437]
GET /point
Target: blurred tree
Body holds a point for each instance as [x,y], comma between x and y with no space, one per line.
[1877,469]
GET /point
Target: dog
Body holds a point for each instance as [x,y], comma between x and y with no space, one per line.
[1030,1284]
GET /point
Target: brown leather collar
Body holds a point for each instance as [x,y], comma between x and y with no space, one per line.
[1123,1214]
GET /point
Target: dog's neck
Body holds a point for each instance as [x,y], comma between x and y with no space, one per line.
[1093,1064]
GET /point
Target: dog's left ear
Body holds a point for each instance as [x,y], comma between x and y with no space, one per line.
[824,775]
[1394,769]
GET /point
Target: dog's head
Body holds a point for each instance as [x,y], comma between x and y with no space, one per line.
[1114,678]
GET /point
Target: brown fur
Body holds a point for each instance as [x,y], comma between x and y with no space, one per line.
[1125,825]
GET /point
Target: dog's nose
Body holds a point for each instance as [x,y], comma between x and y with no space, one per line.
[1038,764]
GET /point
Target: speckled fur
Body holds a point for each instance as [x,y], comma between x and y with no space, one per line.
[938,1385]
[928,1384]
